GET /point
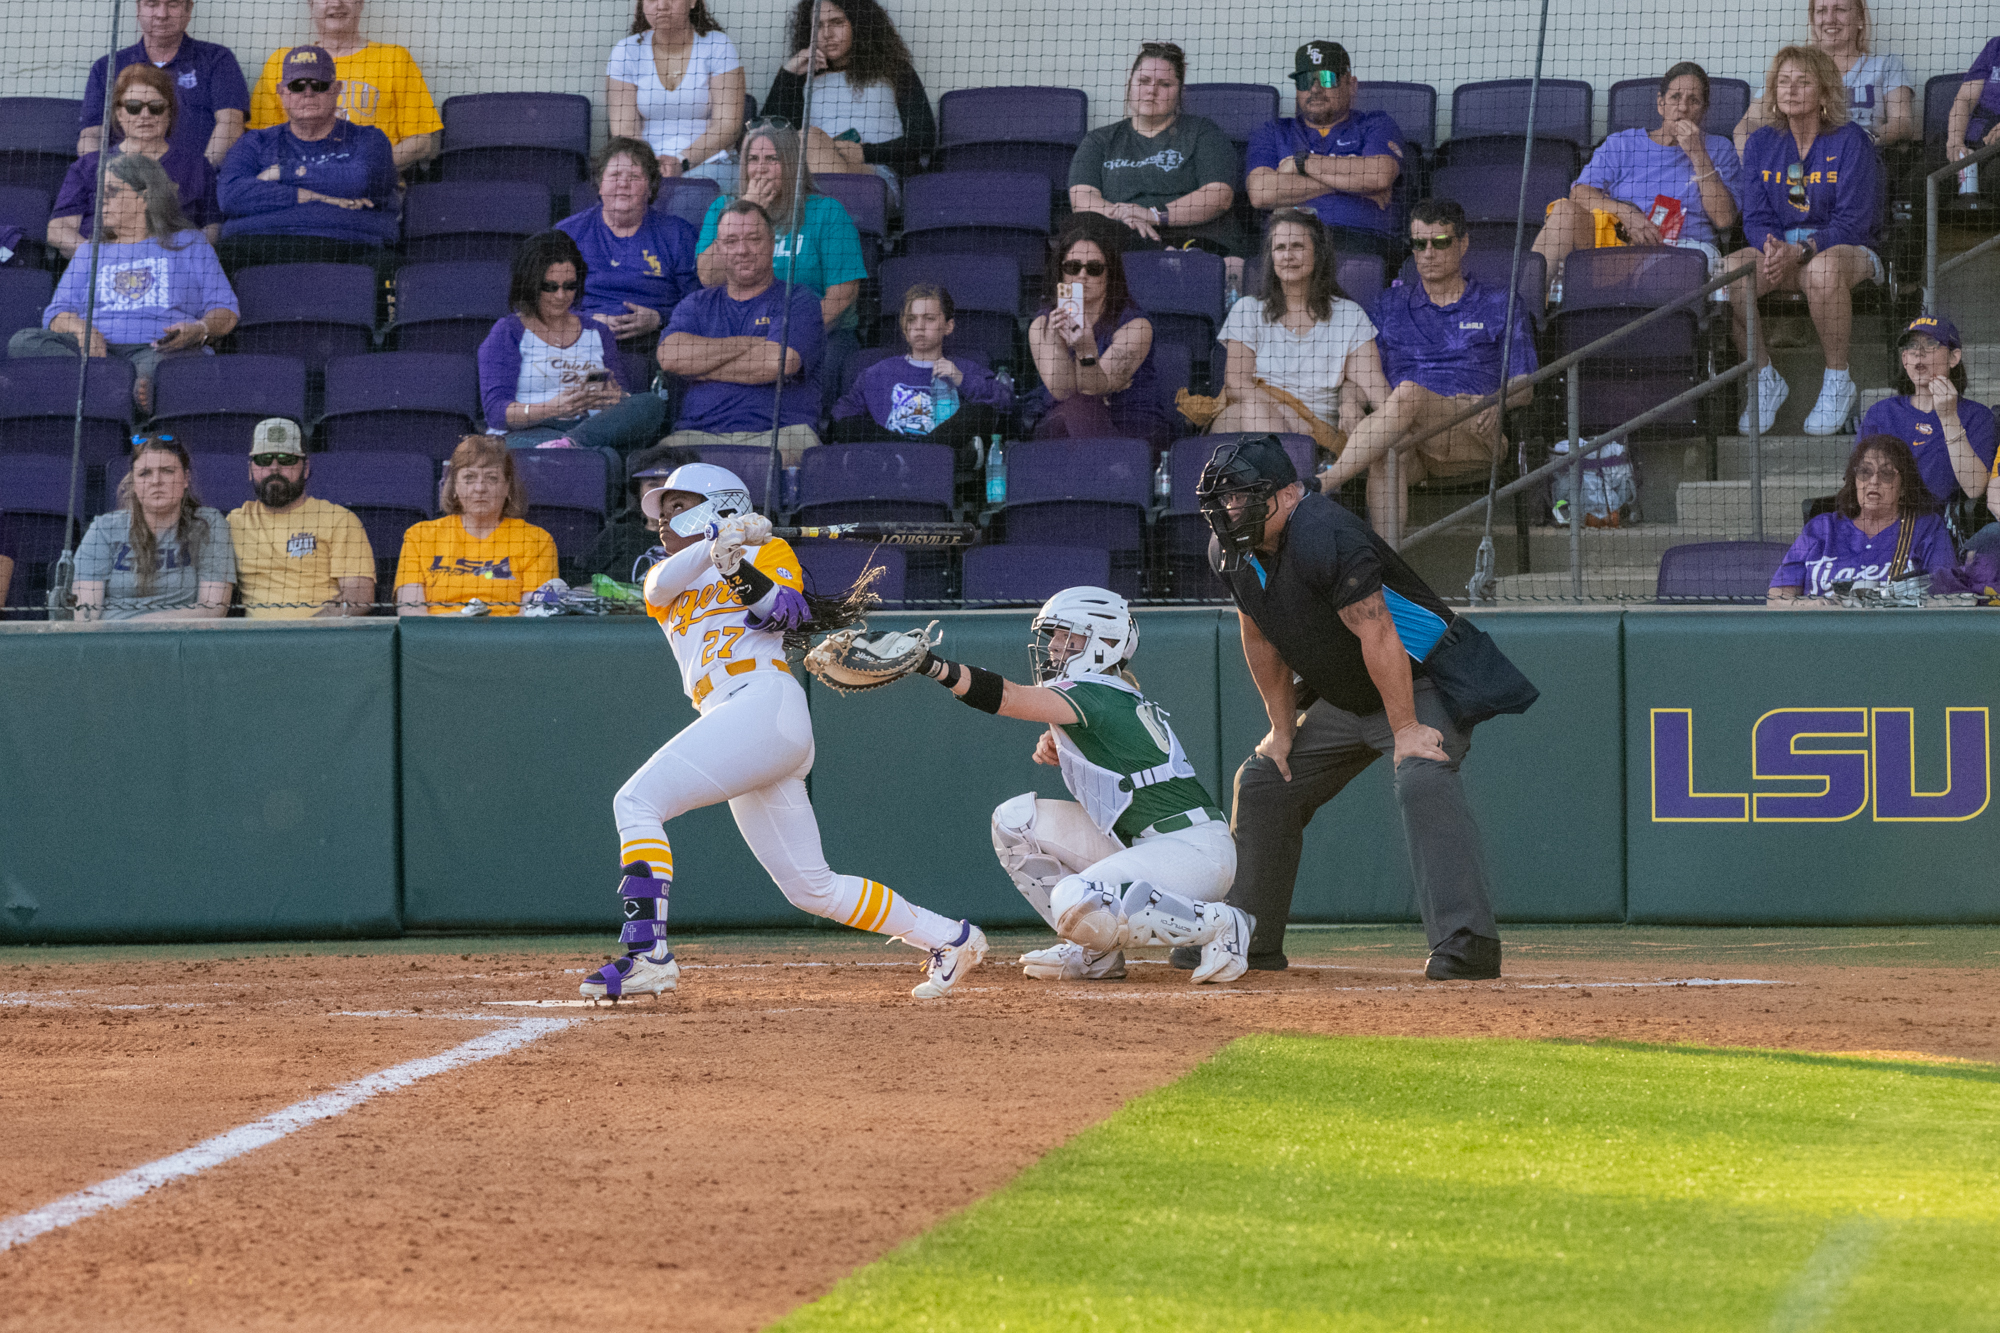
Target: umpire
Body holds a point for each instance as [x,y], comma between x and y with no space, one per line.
[1354,657]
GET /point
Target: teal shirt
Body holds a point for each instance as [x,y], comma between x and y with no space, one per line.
[827,246]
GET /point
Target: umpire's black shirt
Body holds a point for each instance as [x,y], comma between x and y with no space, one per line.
[1326,560]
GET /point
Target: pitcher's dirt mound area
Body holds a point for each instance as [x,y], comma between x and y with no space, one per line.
[716,1158]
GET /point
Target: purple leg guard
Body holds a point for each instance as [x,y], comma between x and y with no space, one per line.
[645,902]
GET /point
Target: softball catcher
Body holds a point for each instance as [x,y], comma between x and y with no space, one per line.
[731,599]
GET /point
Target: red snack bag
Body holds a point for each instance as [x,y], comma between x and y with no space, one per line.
[1668,216]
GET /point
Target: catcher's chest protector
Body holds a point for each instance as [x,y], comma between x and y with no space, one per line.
[1106,793]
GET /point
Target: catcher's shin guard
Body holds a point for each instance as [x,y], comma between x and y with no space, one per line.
[1087,913]
[1033,869]
[1154,916]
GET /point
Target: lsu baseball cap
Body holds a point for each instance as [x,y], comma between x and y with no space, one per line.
[277,435]
[307,62]
[1932,326]
[1316,56]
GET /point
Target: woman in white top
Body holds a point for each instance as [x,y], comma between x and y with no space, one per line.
[678,84]
[1302,358]
[1880,98]
[869,109]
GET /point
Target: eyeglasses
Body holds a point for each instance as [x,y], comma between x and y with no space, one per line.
[144,108]
[1795,184]
[276,460]
[1094,267]
[550,288]
[1315,78]
[1423,243]
[308,86]
[1867,473]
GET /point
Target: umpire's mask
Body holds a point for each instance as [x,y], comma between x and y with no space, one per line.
[1247,472]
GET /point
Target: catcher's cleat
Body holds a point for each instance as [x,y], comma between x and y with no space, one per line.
[949,962]
[631,975]
[1226,956]
[1069,961]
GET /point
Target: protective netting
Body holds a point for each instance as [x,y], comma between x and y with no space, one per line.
[391,293]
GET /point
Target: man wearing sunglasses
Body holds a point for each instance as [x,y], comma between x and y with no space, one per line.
[316,189]
[297,557]
[380,84]
[1338,162]
[209,91]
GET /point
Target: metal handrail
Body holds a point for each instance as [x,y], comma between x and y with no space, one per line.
[1932,269]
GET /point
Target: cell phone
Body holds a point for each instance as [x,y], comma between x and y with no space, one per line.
[597,377]
[1072,300]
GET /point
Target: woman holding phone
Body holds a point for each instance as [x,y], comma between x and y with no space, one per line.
[545,372]
[1092,346]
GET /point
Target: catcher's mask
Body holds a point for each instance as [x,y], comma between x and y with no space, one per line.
[1098,635]
[724,492]
[1235,491]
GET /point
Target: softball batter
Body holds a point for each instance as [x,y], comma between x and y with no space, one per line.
[1142,856]
[729,597]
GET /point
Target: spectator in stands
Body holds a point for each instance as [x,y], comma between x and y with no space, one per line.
[1166,175]
[824,254]
[1878,95]
[380,85]
[640,263]
[297,557]
[1440,338]
[677,83]
[1975,112]
[1812,210]
[208,83]
[630,542]
[1883,527]
[316,188]
[545,372]
[6,561]
[735,340]
[1097,372]
[143,107]
[1302,357]
[160,291]
[900,396]
[162,554]
[1337,161]
[483,557]
[869,109]
[1929,412]
[1612,202]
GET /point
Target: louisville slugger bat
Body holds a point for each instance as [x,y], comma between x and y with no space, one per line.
[887,534]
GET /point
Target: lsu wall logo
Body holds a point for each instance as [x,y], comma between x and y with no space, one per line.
[1829,765]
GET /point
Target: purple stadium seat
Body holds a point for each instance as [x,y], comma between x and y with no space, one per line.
[472,220]
[540,137]
[24,295]
[1490,193]
[37,141]
[1634,104]
[752,465]
[1361,278]
[448,307]
[1181,292]
[889,481]
[1016,129]
[221,481]
[1091,493]
[1184,533]
[1032,574]
[1719,571]
[1413,105]
[26,207]
[566,495]
[314,312]
[684,197]
[38,484]
[38,407]
[212,403]
[1608,288]
[400,402]
[832,567]
[1498,108]
[985,291]
[977,212]
[34,507]
[387,492]
[1238,110]
[865,196]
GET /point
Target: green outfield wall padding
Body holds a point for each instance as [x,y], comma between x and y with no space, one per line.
[197,782]
[1812,768]
[515,736]
[1544,786]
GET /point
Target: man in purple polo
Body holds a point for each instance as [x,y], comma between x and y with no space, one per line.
[212,97]
[1440,340]
[1340,163]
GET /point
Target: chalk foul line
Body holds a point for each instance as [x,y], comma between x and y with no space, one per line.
[121,1190]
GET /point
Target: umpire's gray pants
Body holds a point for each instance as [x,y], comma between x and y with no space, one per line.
[1331,747]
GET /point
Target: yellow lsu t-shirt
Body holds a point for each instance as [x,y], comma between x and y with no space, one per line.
[293,562]
[453,567]
[381,86]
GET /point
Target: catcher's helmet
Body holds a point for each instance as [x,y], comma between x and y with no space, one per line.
[1100,618]
[726,495]
[1250,472]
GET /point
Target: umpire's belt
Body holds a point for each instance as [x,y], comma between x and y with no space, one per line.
[706,684]
[1208,814]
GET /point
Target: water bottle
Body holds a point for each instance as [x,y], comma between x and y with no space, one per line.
[1005,374]
[1163,482]
[996,473]
[1968,179]
[944,400]
[1232,288]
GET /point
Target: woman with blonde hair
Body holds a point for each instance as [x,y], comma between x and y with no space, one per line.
[163,554]
[483,557]
[1878,93]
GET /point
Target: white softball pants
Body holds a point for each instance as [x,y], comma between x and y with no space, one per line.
[1197,863]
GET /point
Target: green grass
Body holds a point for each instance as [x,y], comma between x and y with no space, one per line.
[1388,1183]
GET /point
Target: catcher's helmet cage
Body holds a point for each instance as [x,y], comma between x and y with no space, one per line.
[1101,618]
[726,496]
[1254,470]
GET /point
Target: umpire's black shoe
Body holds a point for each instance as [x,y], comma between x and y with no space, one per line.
[1465,957]
[1187,958]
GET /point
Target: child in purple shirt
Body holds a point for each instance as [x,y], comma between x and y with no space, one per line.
[898,396]
[1951,436]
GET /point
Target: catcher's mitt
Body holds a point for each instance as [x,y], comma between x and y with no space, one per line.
[852,660]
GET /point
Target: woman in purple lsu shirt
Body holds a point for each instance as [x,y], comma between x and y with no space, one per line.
[1883,527]
[1951,436]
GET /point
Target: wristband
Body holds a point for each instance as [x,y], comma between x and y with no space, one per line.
[686,166]
[1299,159]
[1159,216]
[941,669]
[988,688]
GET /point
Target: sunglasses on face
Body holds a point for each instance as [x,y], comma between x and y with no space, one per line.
[1315,78]
[768,123]
[308,86]
[275,460]
[1094,267]
[142,439]
[144,108]
[551,288]
[1423,243]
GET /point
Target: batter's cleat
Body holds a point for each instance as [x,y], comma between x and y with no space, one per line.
[631,975]
[1227,956]
[1072,962]
[951,961]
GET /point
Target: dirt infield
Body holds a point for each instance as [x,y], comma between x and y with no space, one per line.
[716,1159]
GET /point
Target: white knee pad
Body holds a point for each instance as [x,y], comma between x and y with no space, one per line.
[1086,912]
[1154,916]
[1033,869]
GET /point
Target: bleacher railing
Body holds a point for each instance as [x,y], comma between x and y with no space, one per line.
[1933,270]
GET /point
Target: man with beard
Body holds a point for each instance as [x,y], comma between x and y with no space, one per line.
[297,557]
[1330,159]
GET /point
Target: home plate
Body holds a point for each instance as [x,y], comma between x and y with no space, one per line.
[552,1004]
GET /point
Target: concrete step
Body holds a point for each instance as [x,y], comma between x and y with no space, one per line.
[1616,583]
[1783,455]
[1724,506]
[1635,547]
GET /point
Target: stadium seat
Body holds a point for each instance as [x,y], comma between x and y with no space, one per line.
[37,141]
[1239,110]
[539,137]
[38,407]
[1014,129]
[314,312]
[1181,292]
[832,567]
[448,307]
[752,464]
[1719,571]
[1082,492]
[1413,105]
[978,212]
[24,295]
[213,403]
[1030,575]
[27,207]
[865,196]
[35,491]
[1489,121]
[1490,193]
[566,495]
[985,292]
[1173,369]
[890,481]
[400,402]
[1634,104]
[1606,289]
[387,492]
[472,220]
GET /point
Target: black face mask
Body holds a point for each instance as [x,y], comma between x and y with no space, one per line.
[1229,476]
